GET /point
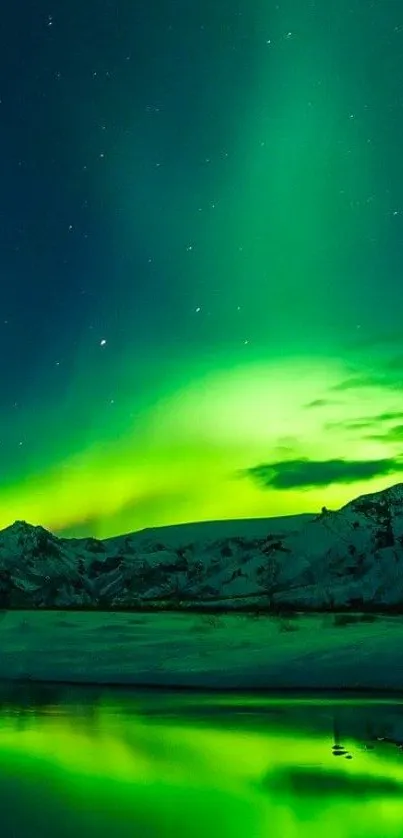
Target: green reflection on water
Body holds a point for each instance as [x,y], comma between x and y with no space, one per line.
[152,764]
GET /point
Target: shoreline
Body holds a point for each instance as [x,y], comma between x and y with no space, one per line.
[182,651]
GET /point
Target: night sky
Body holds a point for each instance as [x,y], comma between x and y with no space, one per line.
[201,255]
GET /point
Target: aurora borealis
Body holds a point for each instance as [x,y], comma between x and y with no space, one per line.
[201,259]
[194,764]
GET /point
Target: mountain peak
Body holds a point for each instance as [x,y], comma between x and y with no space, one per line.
[21,531]
[392,494]
[21,525]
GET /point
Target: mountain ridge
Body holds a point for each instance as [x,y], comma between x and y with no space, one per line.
[349,558]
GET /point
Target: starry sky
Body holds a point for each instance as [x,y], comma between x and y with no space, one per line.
[201,256]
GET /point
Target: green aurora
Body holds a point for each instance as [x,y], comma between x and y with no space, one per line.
[240,355]
[101,768]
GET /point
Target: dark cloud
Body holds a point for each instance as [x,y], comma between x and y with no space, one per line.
[304,473]
[389,382]
[320,403]
[388,374]
[389,417]
[358,382]
[394,434]
[365,422]
[351,425]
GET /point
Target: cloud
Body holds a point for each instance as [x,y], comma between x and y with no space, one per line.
[320,403]
[370,422]
[351,425]
[389,417]
[358,382]
[394,434]
[387,375]
[305,473]
[391,381]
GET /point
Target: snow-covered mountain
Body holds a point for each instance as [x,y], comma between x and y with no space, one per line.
[349,558]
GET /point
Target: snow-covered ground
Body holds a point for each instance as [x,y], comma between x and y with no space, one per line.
[233,651]
[180,535]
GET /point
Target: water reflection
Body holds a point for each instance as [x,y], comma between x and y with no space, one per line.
[77,762]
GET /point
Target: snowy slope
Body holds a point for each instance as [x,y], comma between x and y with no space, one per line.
[349,558]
